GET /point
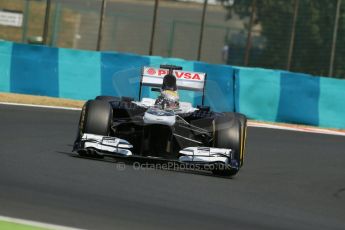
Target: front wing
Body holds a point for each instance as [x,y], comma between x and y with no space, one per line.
[116,147]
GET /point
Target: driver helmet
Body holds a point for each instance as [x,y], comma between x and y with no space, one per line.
[169,82]
[169,98]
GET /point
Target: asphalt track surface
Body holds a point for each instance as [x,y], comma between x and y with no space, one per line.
[290,180]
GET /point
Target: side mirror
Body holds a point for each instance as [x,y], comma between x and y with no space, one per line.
[203,108]
[155,89]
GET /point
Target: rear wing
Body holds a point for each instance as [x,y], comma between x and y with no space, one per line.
[185,80]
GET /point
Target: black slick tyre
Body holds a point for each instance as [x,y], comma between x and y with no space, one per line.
[243,121]
[228,135]
[96,117]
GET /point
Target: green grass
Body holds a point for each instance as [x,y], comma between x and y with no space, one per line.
[4,225]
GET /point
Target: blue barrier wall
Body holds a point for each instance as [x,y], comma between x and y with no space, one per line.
[86,72]
[77,74]
[261,94]
[219,92]
[5,66]
[34,70]
[282,96]
[257,93]
[298,100]
[120,73]
[332,103]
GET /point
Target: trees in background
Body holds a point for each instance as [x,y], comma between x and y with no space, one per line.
[313,34]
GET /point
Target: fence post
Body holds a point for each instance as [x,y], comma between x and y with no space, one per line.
[101,24]
[249,37]
[56,28]
[46,23]
[153,31]
[334,41]
[26,20]
[202,29]
[171,39]
[293,33]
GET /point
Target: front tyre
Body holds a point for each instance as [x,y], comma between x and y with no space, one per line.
[96,117]
[228,135]
[243,122]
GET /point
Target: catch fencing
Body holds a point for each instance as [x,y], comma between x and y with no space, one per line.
[302,36]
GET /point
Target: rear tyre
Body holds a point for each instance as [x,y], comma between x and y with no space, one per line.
[228,135]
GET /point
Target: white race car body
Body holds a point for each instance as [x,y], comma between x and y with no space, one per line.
[120,147]
[178,132]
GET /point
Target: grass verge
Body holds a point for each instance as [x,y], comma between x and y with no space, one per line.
[40,100]
[14,226]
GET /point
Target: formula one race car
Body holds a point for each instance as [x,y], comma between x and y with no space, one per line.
[163,128]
